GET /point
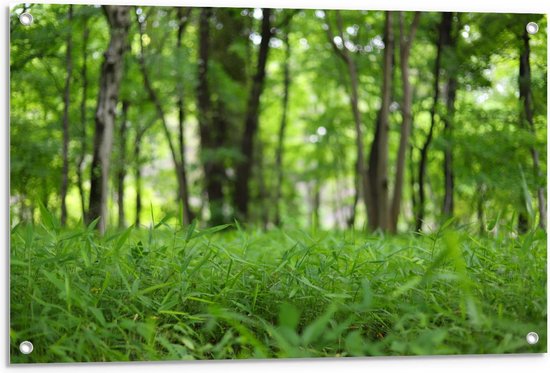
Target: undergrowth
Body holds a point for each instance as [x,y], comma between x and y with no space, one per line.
[168,293]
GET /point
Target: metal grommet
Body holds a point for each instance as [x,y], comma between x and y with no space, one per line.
[532,28]
[25,19]
[26,347]
[532,338]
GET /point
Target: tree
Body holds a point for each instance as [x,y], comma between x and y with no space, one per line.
[244,167]
[66,104]
[121,172]
[282,128]
[526,118]
[183,21]
[448,118]
[378,161]
[210,137]
[118,18]
[406,38]
[140,132]
[443,41]
[177,160]
[361,168]
[83,119]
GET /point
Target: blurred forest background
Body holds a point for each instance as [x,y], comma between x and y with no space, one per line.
[395,121]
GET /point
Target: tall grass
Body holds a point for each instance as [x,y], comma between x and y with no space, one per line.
[222,293]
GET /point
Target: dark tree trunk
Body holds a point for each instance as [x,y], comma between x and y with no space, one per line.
[213,169]
[83,124]
[138,178]
[118,18]
[66,104]
[378,162]
[183,21]
[281,135]
[526,97]
[244,167]
[442,42]
[405,42]
[121,174]
[448,200]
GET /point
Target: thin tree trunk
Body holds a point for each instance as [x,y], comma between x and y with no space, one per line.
[405,43]
[153,97]
[448,200]
[281,135]
[140,133]
[481,189]
[242,188]
[361,167]
[526,97]
[442,42]
[138,178]
[357,184]
[263,193]
[183,20]
[110,78]
[66,104]
[414,201]
[378,162]
[315,204]
[121,174]
[83,147]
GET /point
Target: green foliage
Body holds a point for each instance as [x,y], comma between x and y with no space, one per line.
[488,141]
[173,294]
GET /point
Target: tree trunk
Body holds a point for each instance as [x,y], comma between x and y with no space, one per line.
[481,189]
[153,97]
[281,135]
[121,174]
[263,195]
[244,167]
[405,43]
[526,97]
[412,181]
[66,104]
[448,200]
[138,177]
[442,42]
[378,162]
[110,77]
[209,136]
[361,168]
[84,77]
[183,20]
[357,183]
[140,133]
[315,205]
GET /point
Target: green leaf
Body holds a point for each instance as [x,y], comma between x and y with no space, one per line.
[289,316]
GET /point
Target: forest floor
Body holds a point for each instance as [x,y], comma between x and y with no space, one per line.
[223,293]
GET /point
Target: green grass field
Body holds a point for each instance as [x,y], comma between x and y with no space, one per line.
[225,293]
